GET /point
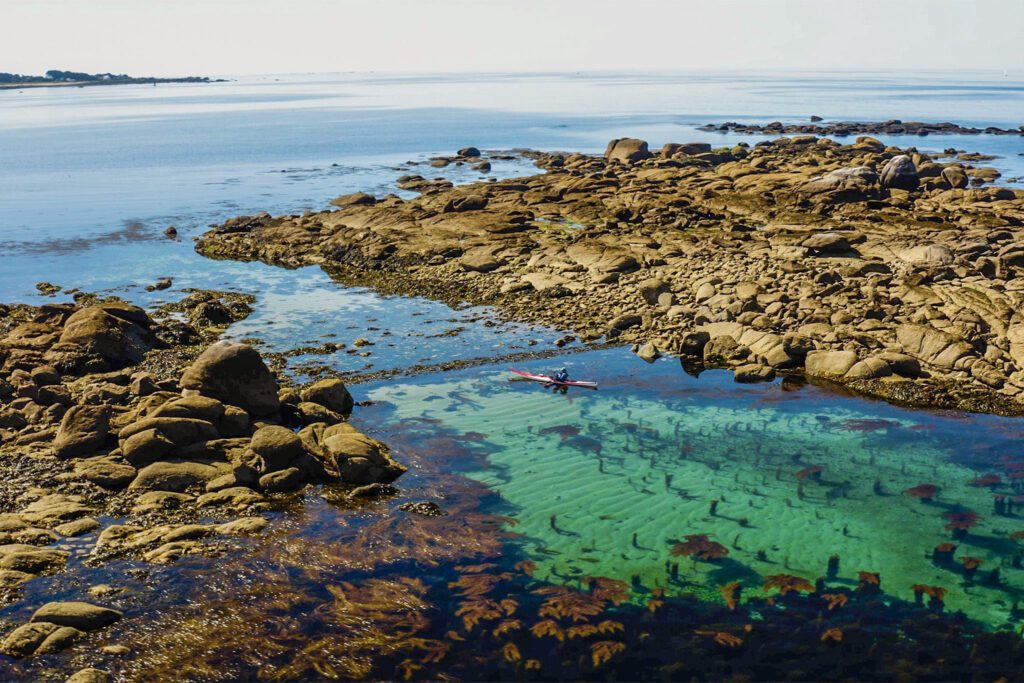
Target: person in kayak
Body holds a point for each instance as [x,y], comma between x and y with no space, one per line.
[561,376]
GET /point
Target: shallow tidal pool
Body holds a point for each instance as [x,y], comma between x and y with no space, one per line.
[608,482]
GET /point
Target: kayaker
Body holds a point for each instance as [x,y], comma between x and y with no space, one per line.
[561,376]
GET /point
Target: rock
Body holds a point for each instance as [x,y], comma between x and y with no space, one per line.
[829,364]
[373,491]
[724,350]
[178,431]
[902,364]
[955,176]
[146,447]
[354,199]
[624,322]
[78,527]
[311,413]
[80,615]
[116,332]
[174,476]
[627,150]
[469,152]
[693,343]
[143,384]
[357,458]
[675,149]
[52,509]
[278,446]
[932,346]
[234,373]
[827,243]
[426,508]
[160,285]
[242,526]
[290,479]
[105,472]
[83,429]
[648,352]
[473,202]
[10,578]
[927,254]
[28,639]
[211,313]
[872,367]
[89,675]
[753,372]
[652,288]
[899,173]
[238,497]
[480,261]
[330,393]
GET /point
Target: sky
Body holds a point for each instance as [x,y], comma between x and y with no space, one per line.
[239,37]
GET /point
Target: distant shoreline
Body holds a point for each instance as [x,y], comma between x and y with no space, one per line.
[44,83]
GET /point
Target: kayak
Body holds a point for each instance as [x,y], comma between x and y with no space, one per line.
[548,379]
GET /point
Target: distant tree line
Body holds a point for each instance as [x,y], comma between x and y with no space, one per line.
[57,75]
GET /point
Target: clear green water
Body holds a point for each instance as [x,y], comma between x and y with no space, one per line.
[603,483]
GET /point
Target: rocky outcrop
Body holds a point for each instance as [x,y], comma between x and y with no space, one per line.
[802,244]
[234,373]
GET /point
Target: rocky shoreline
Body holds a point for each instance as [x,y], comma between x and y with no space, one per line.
[843,128]
[881,269]
[154,437]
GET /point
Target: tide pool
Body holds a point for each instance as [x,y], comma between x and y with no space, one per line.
[607,483]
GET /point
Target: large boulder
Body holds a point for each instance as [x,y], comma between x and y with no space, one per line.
[955,176]
[683,149]
[844,184]
[330,393]
[830,364]
[627,150]
[827,243]
[900,173]
[82,430]
[357,458]
[116,332]
[235,374]
[279,447]
[932,346]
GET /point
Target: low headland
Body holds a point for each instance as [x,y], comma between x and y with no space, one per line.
[55,78]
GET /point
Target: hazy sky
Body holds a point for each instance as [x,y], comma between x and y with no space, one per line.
[222,37]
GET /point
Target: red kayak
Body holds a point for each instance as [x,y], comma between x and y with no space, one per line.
[548,379]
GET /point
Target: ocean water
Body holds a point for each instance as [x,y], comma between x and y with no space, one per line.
[602,483]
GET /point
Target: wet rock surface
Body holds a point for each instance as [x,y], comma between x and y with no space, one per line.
[872,266]
[126,435]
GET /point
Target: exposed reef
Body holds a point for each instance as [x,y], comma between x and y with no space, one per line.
[875,267]
[141,435]
[841,128]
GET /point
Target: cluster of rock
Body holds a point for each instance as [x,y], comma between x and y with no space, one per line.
[842,128]
[857,262]
[85,434]
[55,626]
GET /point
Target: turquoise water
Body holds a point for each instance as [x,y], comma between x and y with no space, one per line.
[605,483]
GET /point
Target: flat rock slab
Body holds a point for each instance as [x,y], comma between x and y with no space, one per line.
[80,615]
